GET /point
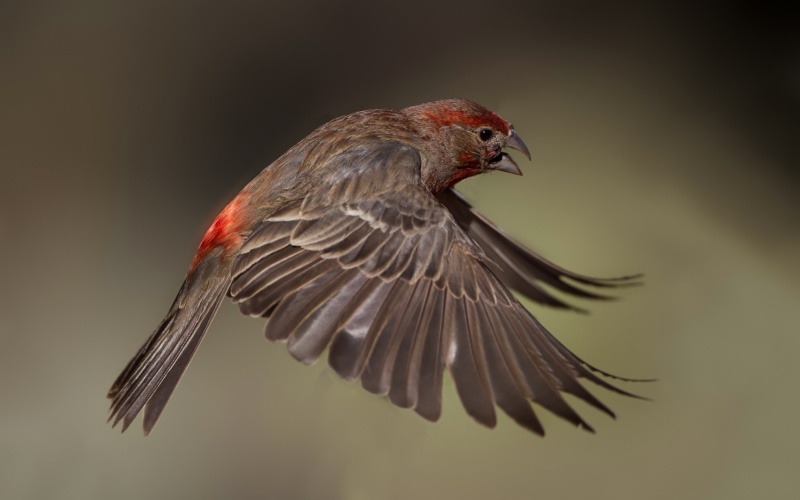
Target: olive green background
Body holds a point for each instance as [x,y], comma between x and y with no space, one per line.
[663,139]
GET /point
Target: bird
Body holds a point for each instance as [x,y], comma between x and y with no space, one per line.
[354,241]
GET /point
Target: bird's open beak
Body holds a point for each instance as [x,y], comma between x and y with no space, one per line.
[514,142]
[504,162]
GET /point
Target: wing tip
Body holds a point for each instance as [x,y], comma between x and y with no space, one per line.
[614,282]
[616,377]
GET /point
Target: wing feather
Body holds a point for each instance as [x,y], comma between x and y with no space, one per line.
[467,363]
[432,359]
[384,337]
[405,373]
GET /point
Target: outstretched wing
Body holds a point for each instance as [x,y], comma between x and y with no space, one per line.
[375,268]
[519,267]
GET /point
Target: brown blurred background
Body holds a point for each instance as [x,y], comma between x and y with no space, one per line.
[664,140]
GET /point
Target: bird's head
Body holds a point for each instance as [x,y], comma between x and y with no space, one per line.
[462,139]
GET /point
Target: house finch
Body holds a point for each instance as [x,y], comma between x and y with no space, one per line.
[355,240]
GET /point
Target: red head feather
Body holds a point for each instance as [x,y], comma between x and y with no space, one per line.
[461,112]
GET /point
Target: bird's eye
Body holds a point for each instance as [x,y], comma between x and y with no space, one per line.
[485,134]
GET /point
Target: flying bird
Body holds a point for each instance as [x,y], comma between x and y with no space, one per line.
[355,241]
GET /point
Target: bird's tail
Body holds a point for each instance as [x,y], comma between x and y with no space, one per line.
[151,376]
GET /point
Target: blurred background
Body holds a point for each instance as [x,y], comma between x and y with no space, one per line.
[664,141]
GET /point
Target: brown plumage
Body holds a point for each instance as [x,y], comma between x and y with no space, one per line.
[353,241]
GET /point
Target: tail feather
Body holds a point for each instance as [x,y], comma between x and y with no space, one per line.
[151,376]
